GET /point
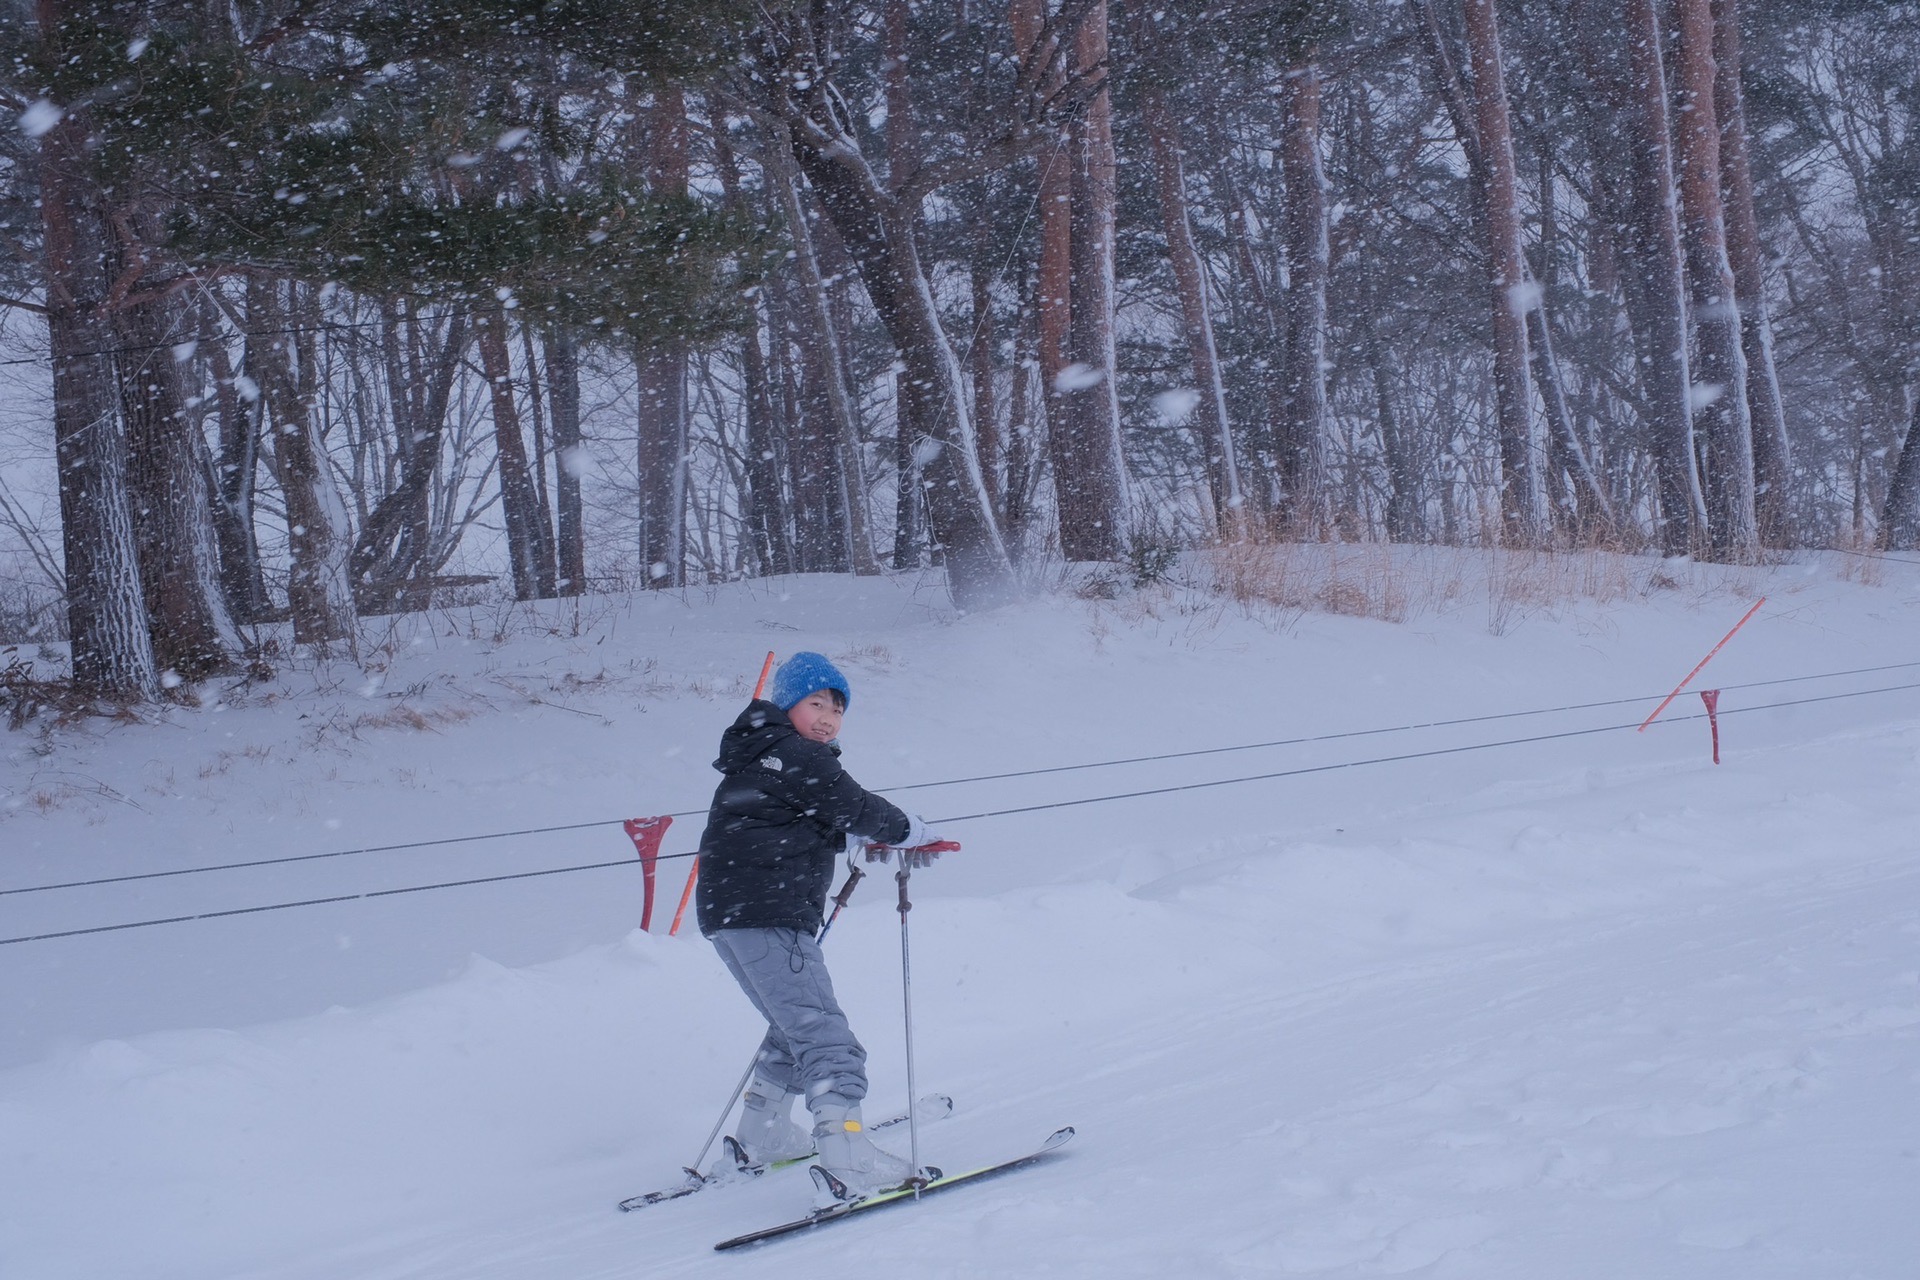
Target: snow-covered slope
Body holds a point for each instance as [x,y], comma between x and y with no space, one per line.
[1583,1005]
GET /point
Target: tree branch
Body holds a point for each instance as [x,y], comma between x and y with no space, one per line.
[36,544]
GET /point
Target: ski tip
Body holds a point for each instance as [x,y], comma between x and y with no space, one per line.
[694,1181]
[1058,1138]
[932,1106]
[654,1197]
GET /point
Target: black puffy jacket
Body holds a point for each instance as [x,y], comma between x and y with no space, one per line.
[779,822]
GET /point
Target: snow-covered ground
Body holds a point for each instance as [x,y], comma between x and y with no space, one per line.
[1583,1005]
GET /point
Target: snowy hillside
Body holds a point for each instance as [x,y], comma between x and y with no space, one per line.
[1470,979]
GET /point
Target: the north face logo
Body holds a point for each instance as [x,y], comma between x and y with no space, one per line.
[772,762]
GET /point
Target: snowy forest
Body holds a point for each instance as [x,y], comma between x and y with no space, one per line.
[314,310]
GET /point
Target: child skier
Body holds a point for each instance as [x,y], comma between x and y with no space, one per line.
[780,819]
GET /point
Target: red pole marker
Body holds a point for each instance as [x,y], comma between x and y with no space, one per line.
[646,834]
[1711,697]
[1703,662]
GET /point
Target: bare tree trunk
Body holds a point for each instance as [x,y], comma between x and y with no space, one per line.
[1016,512]
[1053,292]
[662,389]
[1301,444]
[1261,481]
[542,450]
[820,339]
[1404,519]
[876,224]
[320,583]
[1190,280]
[392,559]
[234,477]
[1900,518]
[1594,509]
[402,577]
[911,421]
[766,507]
[168,469]
[563,397]
[813,461]
[661,364]
[980,350]
[1772,453]
[1522,505]
[529,542]
[1091,486]
[1655,280]
[813,451]
[798,503]
[106,610]
[903,131]
[878,232]
[768,514]
[1724,430]
[909,506]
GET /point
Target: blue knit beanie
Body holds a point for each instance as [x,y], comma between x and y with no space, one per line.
[802,674]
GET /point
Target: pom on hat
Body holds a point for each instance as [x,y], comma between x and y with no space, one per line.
[803,674]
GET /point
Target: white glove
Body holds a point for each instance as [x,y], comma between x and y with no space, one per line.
[919,859]
[913,852]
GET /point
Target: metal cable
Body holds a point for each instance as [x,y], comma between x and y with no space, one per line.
[972,817]
[921,786]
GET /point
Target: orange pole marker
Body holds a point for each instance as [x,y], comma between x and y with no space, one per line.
[686,894]
[1703,662]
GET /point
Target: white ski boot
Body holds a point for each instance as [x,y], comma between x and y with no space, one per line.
[767,1132]
[846,1152]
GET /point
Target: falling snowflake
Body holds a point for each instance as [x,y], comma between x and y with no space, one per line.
[40,117]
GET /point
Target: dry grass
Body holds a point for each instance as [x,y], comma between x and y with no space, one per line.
[86,795]
[1359,581]
[1392,583]
[1861,560]
[874,657]
[401,716]
[415,718]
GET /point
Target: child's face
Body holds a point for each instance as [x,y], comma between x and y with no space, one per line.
[817,716]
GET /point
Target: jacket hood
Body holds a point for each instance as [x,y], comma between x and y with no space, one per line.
[756,731]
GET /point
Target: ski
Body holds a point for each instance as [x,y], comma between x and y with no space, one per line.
[735,1167]
[940,1182]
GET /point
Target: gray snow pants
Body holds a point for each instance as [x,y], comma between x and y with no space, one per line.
[809,1047]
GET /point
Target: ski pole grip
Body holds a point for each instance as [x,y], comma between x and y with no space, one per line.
[900,877]
[854,876]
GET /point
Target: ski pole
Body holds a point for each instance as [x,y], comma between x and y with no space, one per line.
[739,1087]
[854,875]
[906,994]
